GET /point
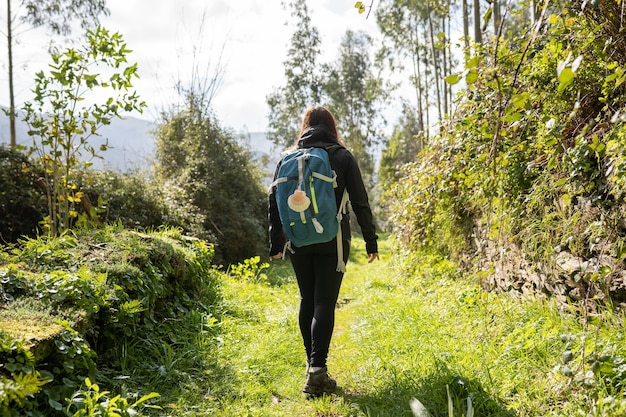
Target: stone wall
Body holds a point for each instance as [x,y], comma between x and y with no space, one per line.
[570,280]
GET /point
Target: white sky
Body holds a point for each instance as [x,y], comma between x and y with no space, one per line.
[164,33]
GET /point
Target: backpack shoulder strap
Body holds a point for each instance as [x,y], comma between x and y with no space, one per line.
[341,210]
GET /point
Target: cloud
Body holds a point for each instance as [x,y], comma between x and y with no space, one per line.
[248,38]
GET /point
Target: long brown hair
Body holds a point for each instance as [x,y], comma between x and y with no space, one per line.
[319,115]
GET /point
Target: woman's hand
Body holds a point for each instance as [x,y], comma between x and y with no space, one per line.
[371,257]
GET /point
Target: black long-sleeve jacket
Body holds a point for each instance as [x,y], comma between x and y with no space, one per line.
[348,177]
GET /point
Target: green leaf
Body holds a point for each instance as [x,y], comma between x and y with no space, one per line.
[487,16]
[566,199]
[472,63]
[471,77]
[565,79]
[566,75]
[567,356]
[453,79]
[512,117]
[146,398]
[519,100]
[55,405]
[612,145]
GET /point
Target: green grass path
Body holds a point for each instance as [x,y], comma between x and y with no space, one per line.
[425,334]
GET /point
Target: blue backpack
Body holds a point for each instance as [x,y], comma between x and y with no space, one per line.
[305,195]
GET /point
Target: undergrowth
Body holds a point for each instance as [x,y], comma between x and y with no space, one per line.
[412,332]
[101,322]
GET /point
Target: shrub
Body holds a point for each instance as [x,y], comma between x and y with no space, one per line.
[22,197]
[210,182]
[533,159]
[131,199]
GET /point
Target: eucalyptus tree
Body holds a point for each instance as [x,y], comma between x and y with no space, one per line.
[466,37]
[302,81]
[418,32]
[497,16]
[403,146]
[438,59]
[355,93]
[57,16]
[478,33]
[533,13]
[400,25]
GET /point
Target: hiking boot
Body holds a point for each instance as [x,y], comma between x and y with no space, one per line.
[318,383]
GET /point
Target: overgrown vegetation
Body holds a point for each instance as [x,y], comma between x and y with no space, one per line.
[203,180]
[532,158]
[131,199]
[104,306]
[21,196]
[524,182]
[410,327]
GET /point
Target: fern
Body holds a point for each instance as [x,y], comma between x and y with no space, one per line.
[22,385]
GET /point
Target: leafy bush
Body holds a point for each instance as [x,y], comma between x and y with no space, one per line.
[21,196]
[530,138]
[210,182]
[62,123]
[108,197]
[92,401]
[131,199]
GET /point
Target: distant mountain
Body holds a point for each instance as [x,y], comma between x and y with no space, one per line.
[130,140]
[131,144]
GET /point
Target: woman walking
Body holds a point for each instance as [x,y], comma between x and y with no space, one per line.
[315,266]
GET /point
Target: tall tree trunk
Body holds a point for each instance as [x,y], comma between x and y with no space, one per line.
[434,60]
[478,34]
[417,74]
[426,95]
[465,13]
[11,92]
[532,6]
[420,96]
[497,17]
[450,56]
[444,62]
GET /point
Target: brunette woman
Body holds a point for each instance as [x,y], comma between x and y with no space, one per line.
[315,265]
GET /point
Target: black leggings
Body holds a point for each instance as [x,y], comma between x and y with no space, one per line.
[316,271]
